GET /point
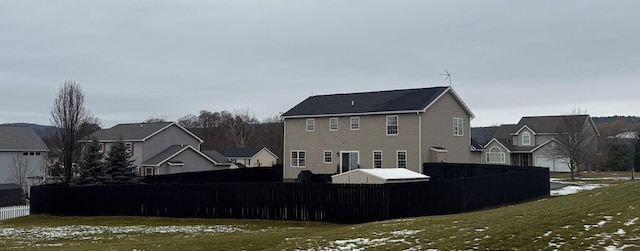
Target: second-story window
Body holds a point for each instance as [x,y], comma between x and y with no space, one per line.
[333,124]
[355,123]
[311,125]
[526,138]
[458,127]
[129,147]
[392,125]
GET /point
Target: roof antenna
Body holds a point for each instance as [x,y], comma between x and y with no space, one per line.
[448,76]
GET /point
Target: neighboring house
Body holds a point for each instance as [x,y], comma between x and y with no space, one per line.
[23,156]
[250,156]
[337,133]
[533,142]
[158,148]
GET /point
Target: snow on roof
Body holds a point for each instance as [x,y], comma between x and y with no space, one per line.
[392,173]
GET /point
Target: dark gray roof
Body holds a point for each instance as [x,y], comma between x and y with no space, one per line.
[130,132]
[10,186]
[546,124]
[240,152]
[216,156]
[162,156]
[367,102]
[16,138]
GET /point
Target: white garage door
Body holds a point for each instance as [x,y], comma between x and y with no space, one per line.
[544,162]
[562,165]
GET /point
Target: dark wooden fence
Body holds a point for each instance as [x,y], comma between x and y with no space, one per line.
[296,201]
[254,174]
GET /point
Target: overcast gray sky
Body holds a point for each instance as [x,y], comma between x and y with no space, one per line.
[135,59]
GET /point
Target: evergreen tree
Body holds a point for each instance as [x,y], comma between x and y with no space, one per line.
[118,167]
[91,168]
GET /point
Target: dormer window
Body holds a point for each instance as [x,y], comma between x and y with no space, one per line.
[526,139]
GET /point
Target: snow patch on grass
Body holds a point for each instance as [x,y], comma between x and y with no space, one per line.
[85,232]
[572,189]
[631,222]
[366,243]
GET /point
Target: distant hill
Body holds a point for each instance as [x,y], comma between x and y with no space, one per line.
[42,130]
[629,119]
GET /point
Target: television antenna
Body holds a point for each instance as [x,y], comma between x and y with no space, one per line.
[448,76]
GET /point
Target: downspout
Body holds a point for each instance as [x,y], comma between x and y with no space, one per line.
[284,149]
[419,141]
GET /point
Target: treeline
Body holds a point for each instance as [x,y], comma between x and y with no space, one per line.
[619,144]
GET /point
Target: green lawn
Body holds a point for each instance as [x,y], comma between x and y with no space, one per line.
[595,219]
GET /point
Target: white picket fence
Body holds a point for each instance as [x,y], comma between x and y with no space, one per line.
[13,212]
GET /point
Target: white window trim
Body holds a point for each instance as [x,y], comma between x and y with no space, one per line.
[351,124]
[386,128]
[528,137]
[324,156]
[457,126]
[310,125]
[500,155]
[298,158]
[374,158]
[406,158]
[330,124]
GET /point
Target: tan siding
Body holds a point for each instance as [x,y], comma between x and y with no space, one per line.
[265,159]
[437,131]
[371,136]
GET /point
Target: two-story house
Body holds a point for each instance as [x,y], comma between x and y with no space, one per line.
[159,148]
[535,141]
[330,134]
[23,156]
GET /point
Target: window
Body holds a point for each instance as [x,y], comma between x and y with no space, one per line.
[101,148]
[129,147]
[377,159]
[148,171]
[495,155]
[392,125]
[333,124]
[458,127]
[402,159]
[311,125]
[355,123]
[247,162]
[526,138]
[328,156]
[298,158]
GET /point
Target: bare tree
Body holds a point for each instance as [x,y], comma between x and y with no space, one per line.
[578,139]
[241,127]
[19,170]
[156,118]
[70,117]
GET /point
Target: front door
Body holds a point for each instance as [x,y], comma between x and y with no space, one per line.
[349,161]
